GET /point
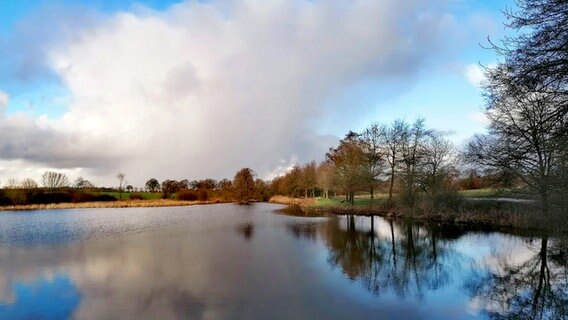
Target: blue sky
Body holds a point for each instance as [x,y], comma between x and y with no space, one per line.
[430,57]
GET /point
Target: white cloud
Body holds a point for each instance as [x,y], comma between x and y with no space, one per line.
[474,74]
[203,89]
[479,117]
[4,99]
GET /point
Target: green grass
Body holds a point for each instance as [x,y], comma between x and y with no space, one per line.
[340,202]
[479,193]
[126,195]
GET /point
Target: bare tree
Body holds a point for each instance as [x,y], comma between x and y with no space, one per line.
[121,181]
[436,163]
[412,147]
[12,183]
[54,180]
[527,100]
[374,155]
[528,136]
[28,184]
[392,142]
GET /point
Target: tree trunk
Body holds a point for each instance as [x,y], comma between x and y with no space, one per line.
[542,279]
[544,203]
[372,195]
[391,183]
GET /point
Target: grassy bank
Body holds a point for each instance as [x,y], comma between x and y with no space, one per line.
[109,204]
[480,213]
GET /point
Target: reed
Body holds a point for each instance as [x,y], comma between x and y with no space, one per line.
[111,204]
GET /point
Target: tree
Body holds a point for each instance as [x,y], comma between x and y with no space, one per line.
[392,140]
[324,177]
[121,181]
[243,184]
[538,52]
[224,185]
[169,187]
[129,188]
[528,137]
[54,180]
[436,163]
[308,179]
[12,183]
[527,101]
[371,139]
[152,185]
[412,147]
[28,184]
[349,161]
[81,183]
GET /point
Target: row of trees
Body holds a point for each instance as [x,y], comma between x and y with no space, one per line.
[49,180]
[402,154]
[527,106]
[171,186]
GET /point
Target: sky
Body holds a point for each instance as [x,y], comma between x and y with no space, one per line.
[199,89]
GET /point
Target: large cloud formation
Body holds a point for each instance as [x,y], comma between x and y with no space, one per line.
[202,89]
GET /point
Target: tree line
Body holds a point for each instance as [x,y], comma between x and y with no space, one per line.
[402,158]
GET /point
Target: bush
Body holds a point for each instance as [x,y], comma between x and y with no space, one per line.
[202,195]
[88,197]
[187,195]
[4,199]
[136,196]
[105,197]
[41,197]
[83,197]
[447,200]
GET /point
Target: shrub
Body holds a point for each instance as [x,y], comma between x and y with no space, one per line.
[41,197]
[136,196]
[448,200]
[4,199]
[105,198]
[187,195]
[83,197]
[88,197]
[202,195]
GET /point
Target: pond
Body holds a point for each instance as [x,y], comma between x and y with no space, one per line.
[254,262]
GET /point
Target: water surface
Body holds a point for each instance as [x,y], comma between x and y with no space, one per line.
[251,262]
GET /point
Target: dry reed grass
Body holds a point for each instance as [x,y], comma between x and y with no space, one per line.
[292,201]
[109,204]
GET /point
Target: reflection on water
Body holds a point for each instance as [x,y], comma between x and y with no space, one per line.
[237,262]
[41,298]
[520,278]
[534,287]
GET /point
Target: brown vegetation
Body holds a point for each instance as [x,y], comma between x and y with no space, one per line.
[114,204]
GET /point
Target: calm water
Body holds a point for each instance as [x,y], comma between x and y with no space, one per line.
[249,262]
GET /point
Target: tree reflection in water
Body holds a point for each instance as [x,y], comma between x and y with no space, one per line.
[402,258]
[517,287]
[531,282]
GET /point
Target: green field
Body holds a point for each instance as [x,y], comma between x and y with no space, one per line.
[340,201]
[363,199]
[126,195]
[479,193]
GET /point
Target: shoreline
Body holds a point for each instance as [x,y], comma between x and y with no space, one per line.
[492,220]
[153,203]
